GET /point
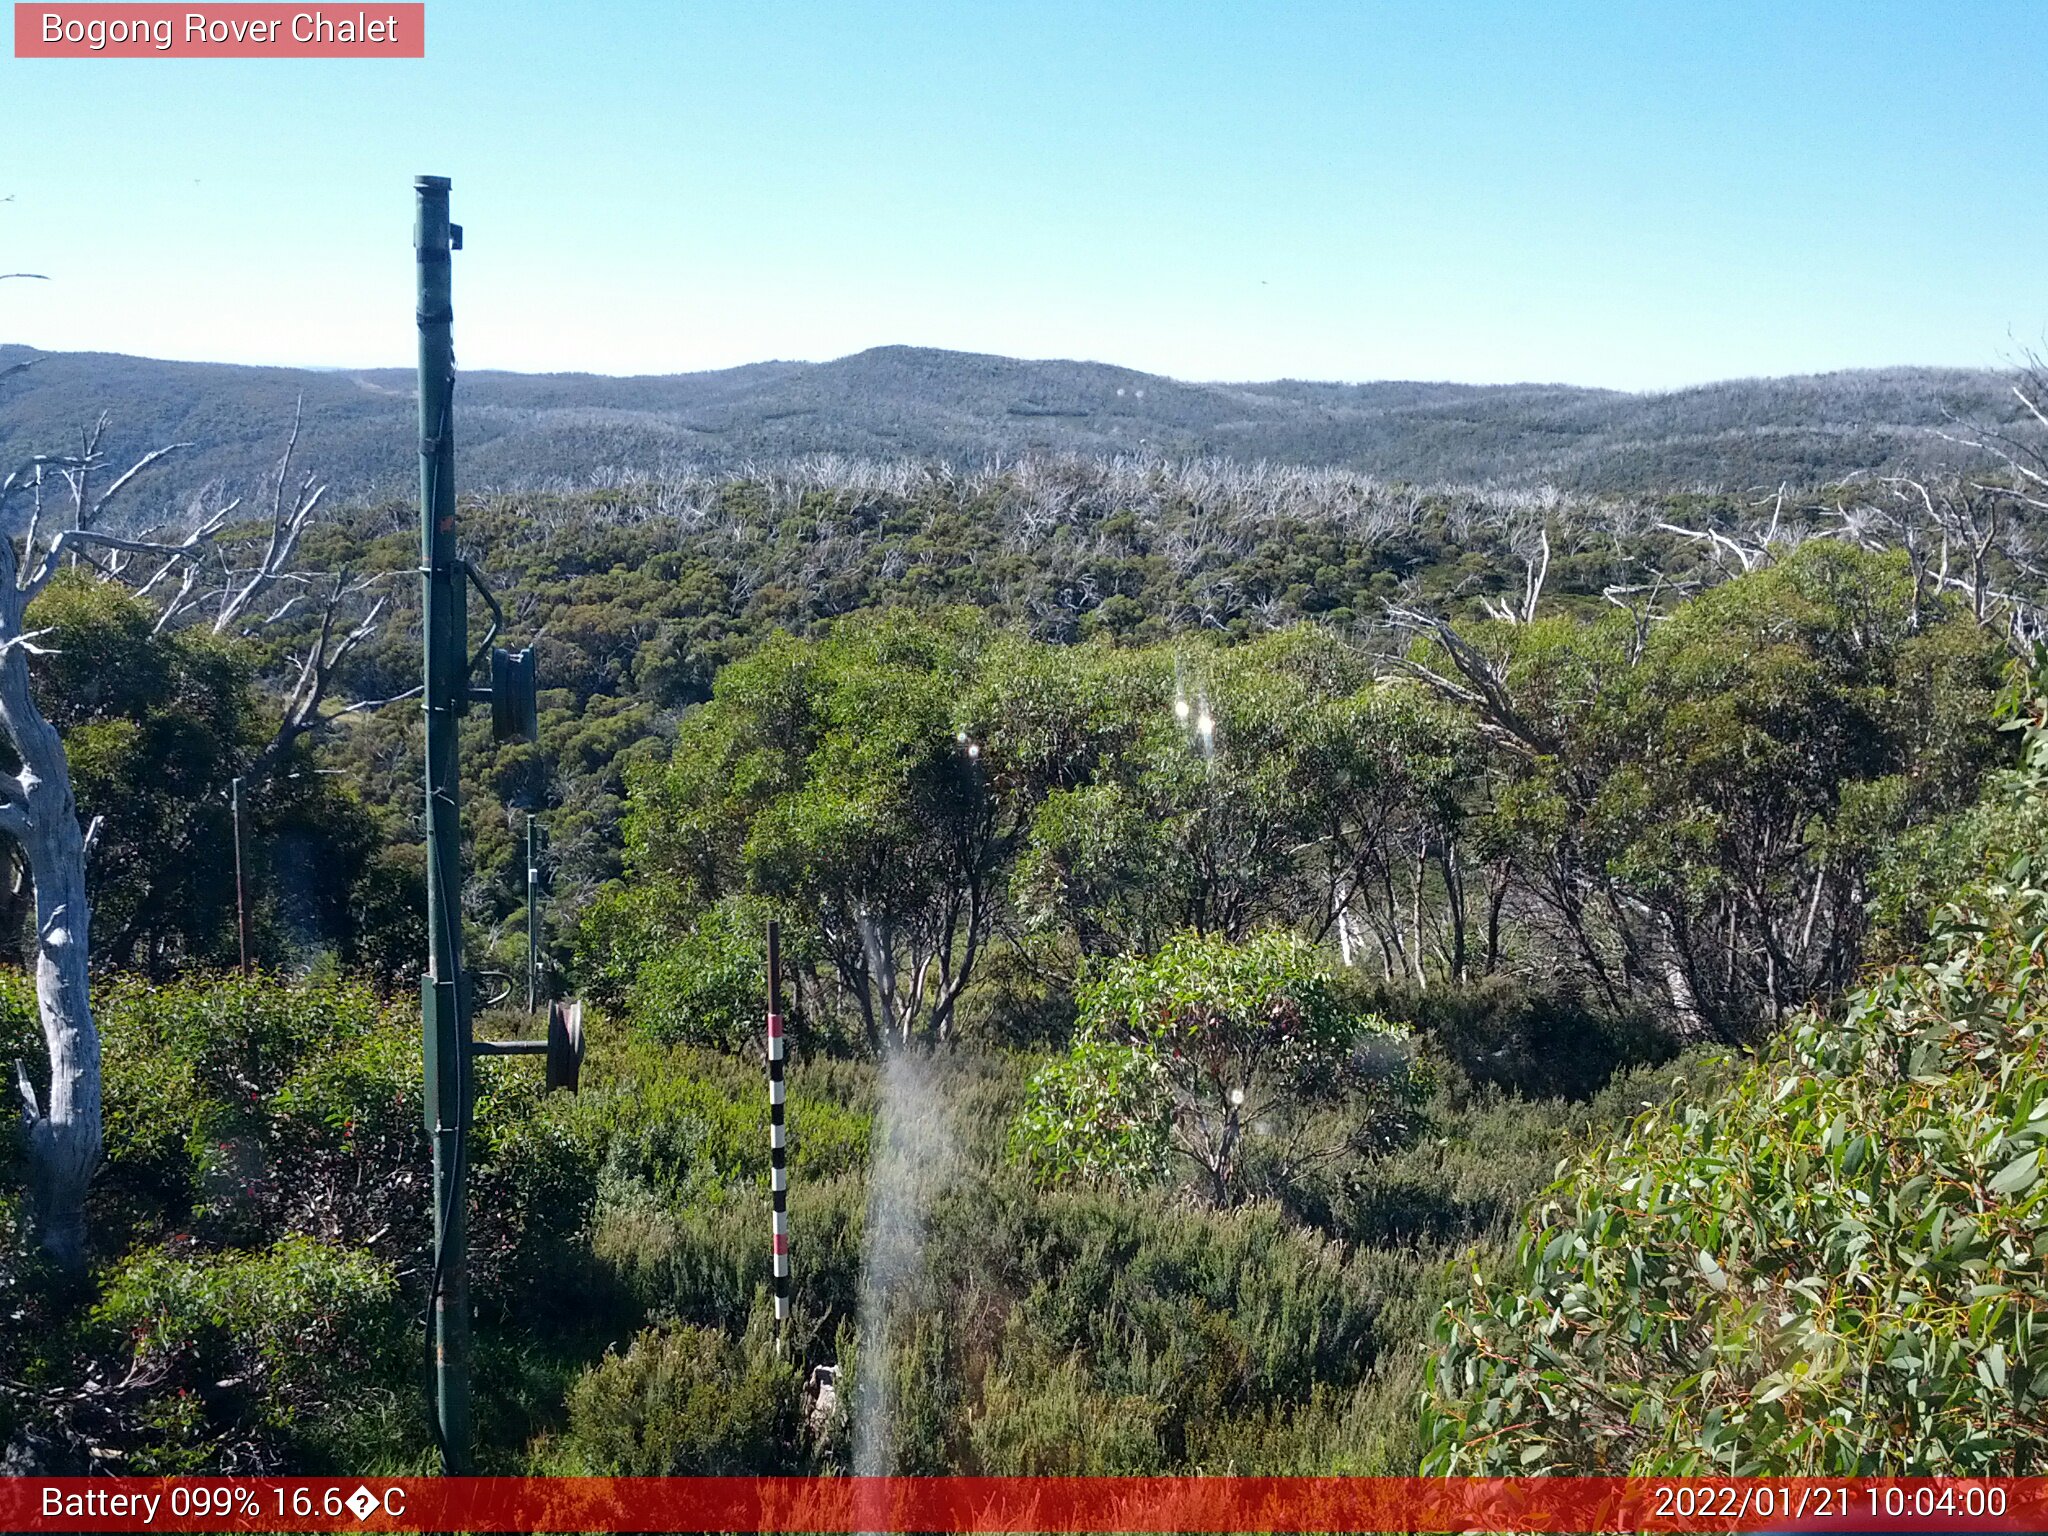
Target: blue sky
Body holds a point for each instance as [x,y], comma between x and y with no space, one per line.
[1640,196]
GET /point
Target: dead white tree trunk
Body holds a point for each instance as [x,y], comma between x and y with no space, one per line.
[1535,568]
[241,588]
[38,811]
[40,814]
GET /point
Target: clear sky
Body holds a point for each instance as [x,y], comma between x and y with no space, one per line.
[1635,195]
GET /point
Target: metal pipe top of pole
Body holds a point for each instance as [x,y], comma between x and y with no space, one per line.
[433,235]
[432,240]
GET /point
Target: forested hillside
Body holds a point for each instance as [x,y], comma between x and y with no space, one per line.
[964,409]
[1216,900]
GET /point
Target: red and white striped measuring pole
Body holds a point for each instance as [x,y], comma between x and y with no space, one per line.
[778,1135]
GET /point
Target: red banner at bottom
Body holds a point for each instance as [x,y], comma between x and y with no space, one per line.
[1018,1504]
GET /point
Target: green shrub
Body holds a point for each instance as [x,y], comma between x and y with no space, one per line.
[296,1339]
[533,1187]
[1099,1114]
[197,1073]
[1832,1269]
[1541,1042]
[1203,995]
[681,1212]
[241,1112]
[1198,1313]
[281,1121]
[1212,1048]
[243,1037]
[702,1259]
[21,1040]
[622,930]
[349,1129]
[685,1401]
[690,1120]
[709,986]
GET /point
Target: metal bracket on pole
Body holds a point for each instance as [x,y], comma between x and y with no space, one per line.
[563,1046]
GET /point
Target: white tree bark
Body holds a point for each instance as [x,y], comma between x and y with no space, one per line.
[38,811]
[64,1127]
[36,805]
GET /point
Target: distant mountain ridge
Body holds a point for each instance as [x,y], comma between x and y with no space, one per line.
[896,402]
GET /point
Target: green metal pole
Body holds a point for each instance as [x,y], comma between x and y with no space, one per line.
[445,1024]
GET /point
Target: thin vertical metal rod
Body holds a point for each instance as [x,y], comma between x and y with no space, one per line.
[445,1024]
[241,880]
[532,915]
[778,1147]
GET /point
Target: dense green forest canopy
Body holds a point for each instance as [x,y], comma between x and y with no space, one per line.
[1268,874]
[1125,577]
[1692,831]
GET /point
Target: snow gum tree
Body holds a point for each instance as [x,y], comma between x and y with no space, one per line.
[38,811]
